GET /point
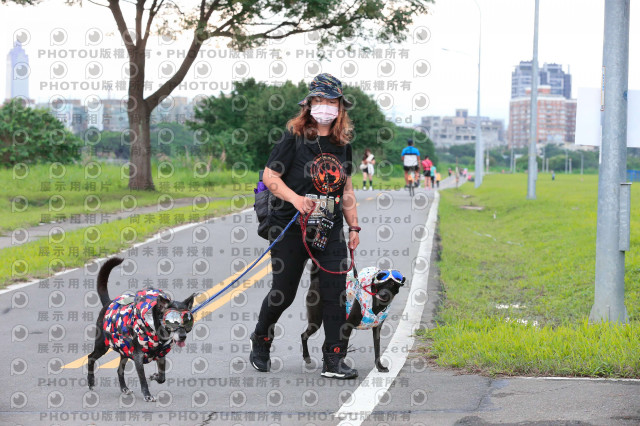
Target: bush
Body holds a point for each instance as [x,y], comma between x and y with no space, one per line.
[30,136]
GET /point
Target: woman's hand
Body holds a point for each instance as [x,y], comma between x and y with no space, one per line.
[354,240]
[304,205]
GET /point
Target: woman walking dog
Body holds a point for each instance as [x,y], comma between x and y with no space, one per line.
[319,167]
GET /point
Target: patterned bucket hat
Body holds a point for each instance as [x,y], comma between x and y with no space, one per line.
[326,86]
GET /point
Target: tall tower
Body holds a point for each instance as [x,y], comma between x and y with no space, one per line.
[549,75]
[17,72]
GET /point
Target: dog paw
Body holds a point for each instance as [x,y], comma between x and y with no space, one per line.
[126,391]
[157,378]
[307,359]
[150,398]
[383,369]
[91,387]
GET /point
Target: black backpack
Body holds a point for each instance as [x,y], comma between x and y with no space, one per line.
[266,203]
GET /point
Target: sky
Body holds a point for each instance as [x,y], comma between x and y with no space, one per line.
[426,75]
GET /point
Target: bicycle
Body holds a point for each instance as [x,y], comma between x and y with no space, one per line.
[412,185]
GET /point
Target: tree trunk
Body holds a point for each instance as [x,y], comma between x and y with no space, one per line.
[209,160]
[139,123]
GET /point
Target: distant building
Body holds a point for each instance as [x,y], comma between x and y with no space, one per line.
[461,129]
[78,116]
[111,114]
[70,112]
[550,75]
[114,115]
[17,72]
[556,118]
[174,109]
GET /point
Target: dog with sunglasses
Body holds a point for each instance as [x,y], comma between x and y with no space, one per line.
[142,326]
[368,299]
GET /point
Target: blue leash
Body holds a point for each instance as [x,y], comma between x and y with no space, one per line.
[209,300]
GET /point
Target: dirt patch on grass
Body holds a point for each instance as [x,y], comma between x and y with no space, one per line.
[472,207]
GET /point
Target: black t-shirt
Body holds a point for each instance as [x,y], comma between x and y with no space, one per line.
[308,171]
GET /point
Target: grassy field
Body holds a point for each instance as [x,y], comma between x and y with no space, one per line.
[42,196]
[101,187]
[518,280]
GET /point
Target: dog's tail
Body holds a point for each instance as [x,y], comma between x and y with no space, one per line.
[103,278]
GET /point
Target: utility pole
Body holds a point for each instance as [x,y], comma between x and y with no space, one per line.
[479,145]
[612,235]
[533,129]
[512,168]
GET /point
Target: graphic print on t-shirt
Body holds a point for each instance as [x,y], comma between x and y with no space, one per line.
[327,169]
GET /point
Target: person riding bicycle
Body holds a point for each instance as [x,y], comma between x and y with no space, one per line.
[410,162]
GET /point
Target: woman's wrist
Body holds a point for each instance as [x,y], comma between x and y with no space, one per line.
[354,229]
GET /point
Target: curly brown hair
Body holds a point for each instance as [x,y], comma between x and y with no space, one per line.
[304,124]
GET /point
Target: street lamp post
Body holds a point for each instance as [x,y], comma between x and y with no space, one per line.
[479,144]
[614,211]
[533,128]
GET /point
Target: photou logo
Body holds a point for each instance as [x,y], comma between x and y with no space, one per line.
[93,37]
[58,37]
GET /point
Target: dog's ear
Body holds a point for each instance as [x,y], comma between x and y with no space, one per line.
[189,301]
[404,279]
[163,303]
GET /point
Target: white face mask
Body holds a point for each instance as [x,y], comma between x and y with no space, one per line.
[324,114]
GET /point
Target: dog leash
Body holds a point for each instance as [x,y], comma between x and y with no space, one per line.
[210,299]
[303,226]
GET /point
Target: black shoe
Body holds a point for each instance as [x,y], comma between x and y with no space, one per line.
[333,365]
[260,348]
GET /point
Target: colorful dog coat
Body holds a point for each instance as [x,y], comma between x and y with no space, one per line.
[125,320]
[355,292]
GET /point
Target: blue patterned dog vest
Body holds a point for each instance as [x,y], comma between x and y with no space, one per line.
[355,292]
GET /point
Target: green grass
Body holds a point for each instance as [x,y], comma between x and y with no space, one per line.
[38,187]
[42,258]
[539,256]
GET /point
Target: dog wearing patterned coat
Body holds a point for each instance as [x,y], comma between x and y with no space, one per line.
[368,299]
[142,326]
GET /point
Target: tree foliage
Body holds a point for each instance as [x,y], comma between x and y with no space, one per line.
[30,136]
[242,127]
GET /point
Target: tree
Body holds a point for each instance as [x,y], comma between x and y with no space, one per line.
[245,24]
[32,135]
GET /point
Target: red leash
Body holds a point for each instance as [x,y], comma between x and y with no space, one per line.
[303,226]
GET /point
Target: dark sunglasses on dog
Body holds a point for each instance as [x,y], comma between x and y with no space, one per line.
[387,274]
[173,320]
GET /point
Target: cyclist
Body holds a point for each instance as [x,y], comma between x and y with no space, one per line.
[410,162]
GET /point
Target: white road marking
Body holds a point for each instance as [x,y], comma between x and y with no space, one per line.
[151,239]
[374,386]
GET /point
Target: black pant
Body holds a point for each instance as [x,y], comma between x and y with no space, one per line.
[288,258]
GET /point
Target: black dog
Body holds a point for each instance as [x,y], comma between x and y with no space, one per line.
[367,301]
[124,325]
